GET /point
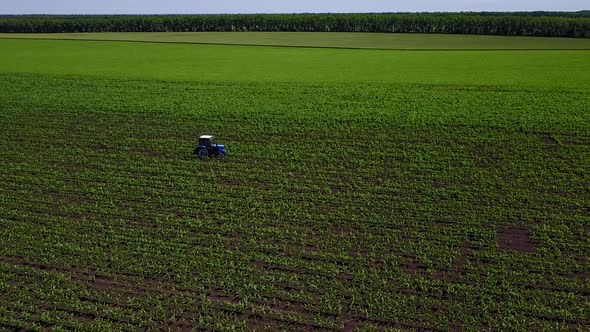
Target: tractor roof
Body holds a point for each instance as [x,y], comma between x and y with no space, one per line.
[206,137]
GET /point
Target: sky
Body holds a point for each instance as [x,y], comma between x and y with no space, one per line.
[278,6]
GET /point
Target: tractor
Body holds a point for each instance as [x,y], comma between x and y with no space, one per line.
[208,148]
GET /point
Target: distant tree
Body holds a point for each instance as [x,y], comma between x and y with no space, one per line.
[549,24]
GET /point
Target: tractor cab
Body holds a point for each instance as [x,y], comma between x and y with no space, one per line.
[206,140]
[208,148]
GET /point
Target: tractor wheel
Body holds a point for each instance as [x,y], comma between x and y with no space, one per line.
[220,156]
[203,154]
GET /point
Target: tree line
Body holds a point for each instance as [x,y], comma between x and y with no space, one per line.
[541,24]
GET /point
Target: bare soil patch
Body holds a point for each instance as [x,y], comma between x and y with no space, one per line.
[151,153]
[230,183]
[219,297]
[547,138]
[103,149]
[101,284]
[440,185]
[516,239]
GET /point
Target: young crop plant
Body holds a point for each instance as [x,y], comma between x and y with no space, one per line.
[391,202]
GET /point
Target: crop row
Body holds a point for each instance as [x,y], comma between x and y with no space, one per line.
[339,207]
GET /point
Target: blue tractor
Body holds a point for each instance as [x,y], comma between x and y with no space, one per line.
[208,148]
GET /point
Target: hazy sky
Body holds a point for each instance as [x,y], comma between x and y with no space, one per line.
[277,6]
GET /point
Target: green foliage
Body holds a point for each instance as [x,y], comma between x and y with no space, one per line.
[355,40]
[254,64]
[508,24]
[348,201]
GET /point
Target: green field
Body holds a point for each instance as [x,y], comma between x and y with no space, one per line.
[222,63]
[365,189]
[330,39]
